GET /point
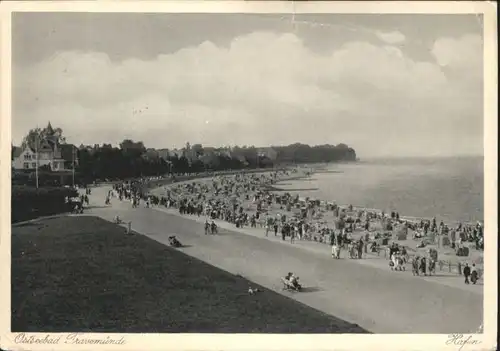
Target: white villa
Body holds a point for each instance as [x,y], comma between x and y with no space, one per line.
[59,157]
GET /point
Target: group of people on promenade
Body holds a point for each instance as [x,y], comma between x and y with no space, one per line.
[250,200]
[129,191]
[470,273]
[78,203]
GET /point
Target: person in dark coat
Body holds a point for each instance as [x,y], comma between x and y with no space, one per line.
[423,266]
[474,276]
[466,273]
[332,239]
[361,244]
[213,228]
[392,250]
[340,241]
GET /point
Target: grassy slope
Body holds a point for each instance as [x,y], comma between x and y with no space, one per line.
[84,274]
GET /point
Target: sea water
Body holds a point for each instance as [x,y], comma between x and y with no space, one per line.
[450,189]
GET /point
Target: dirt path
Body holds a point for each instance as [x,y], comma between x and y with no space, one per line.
[376,299]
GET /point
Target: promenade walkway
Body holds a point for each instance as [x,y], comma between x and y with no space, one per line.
[359,291]
[369,259]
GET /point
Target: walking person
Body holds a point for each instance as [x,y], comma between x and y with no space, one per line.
[213,228]
[415,264]
[474,276]
[360,248]
[404,254]
[423,265]
[467,272]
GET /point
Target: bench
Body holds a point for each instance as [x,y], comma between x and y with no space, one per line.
[286,284]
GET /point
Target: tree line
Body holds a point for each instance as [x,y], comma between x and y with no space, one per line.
[128,162]
[132,159]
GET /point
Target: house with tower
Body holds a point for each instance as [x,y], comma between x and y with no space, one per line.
[49,150]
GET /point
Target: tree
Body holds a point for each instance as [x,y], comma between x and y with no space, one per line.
[197,166]
[57,135]
[265,162]
[182,165]
[32,139]
[250,154]
[128,144]
[132,150]
[36,135]
[197,149]
[131,159]
[302,153]
[152,155]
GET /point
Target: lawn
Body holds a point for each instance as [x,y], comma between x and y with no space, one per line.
[84,274]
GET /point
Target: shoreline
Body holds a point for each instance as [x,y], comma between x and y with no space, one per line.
[312,169]
[409,218]
[305,172]
[406,232]
[336,283]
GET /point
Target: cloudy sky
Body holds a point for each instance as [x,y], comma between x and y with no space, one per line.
[387,85]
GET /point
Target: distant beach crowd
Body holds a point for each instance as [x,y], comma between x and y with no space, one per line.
[252,200]
[247,199]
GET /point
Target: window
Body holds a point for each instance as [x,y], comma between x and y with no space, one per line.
[26,165]
[27,157]
[33,165]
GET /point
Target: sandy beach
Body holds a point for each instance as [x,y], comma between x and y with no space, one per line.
[362,291]
[448,261]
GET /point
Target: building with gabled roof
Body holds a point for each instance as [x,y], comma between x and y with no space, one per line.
[58,157]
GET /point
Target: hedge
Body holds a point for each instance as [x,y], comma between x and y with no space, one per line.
[30,202]
[45,178]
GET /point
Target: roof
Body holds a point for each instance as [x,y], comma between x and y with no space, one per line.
[46,143]
[16,151]
[50,130]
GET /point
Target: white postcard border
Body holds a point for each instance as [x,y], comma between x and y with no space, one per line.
[484,341]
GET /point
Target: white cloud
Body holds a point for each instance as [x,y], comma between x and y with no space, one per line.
[263,89]
[459,53]
[391,37]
